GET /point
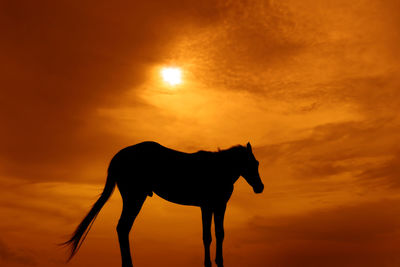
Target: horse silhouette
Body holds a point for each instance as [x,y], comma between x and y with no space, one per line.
[203,179]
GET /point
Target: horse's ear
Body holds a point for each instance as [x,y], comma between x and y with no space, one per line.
[249,147]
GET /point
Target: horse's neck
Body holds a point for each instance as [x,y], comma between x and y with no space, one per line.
[229,162]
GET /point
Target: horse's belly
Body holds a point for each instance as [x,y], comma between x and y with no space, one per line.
[183,196]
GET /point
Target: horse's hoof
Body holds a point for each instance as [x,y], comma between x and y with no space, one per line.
[219,263]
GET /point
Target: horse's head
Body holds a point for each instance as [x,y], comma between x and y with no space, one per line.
[250,171]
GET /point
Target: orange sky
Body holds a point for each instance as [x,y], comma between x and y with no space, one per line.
[314,85]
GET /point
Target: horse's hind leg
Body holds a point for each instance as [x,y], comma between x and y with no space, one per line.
[130,209]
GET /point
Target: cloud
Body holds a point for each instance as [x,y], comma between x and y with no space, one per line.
[62,71]
[244,50]
[38,216]
[338,148]
[386,173]
[347,235]
[65,60]
[370,221]
[9,255]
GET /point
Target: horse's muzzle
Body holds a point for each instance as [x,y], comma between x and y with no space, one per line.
[258,189]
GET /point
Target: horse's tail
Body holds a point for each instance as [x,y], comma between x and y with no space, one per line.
[83,228]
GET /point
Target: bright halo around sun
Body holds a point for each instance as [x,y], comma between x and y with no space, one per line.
[172,75]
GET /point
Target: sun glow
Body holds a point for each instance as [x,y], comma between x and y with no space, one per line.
[172,75]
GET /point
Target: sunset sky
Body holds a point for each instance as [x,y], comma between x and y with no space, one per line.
[313,85]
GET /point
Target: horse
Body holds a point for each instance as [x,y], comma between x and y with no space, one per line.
[203,179]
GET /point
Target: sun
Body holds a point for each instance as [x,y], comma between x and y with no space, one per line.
[172,75]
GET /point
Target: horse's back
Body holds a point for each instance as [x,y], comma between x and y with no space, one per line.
[149,159]
[147,150]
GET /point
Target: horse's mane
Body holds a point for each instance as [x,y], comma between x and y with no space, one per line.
[226,155]
[233,149]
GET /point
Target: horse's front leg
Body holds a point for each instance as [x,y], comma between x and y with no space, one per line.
[219,213]
[206,215]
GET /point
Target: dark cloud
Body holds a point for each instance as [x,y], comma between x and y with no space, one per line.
[348,235]
[375,95]
[332,149]
[369,221]
[386,173]
[9,255]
